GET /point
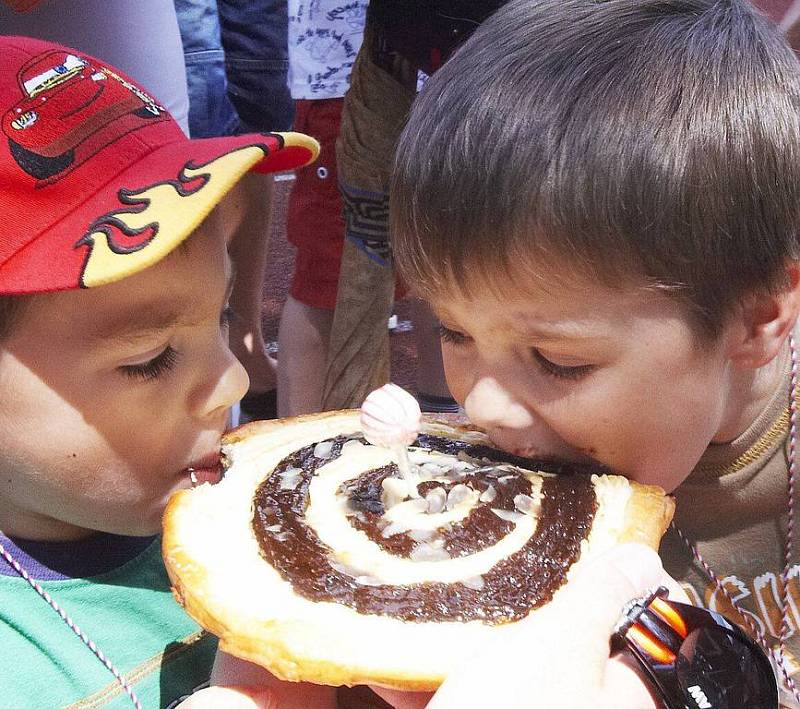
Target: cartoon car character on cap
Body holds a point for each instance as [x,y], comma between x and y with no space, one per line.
[70,109]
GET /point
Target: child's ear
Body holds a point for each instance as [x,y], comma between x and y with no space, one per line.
[764,322]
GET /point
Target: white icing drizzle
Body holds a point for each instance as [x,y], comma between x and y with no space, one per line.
[404,466]
[428,561]
[391,417]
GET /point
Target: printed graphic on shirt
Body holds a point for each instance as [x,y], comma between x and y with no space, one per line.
[70,109]
[324,39]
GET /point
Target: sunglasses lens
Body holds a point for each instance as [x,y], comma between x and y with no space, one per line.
[720,668]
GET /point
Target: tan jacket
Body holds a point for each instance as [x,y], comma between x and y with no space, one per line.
[734,507]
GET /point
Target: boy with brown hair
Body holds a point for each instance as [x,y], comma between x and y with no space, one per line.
[115,372]
[601,201]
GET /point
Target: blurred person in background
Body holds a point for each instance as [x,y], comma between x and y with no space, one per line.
[236,66]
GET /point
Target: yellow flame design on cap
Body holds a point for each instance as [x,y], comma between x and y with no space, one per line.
[171,212]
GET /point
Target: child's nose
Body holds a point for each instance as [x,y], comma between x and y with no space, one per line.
[223,388]
[490,404]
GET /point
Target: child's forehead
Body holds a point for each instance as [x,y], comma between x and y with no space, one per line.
[139,321]
[524,281]
[176,290]
[547,303]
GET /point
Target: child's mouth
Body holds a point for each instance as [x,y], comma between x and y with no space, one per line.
[205,470]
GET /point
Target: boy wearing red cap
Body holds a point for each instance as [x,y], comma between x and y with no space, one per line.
[115,372]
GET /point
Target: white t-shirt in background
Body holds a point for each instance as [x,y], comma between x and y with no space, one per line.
[324,38]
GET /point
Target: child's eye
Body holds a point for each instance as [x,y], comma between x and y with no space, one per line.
[452,336]
[560,370]
[154,368]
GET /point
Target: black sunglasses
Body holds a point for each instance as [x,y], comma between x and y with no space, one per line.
[695,658]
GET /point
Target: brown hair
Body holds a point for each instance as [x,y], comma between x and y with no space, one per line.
[639,140]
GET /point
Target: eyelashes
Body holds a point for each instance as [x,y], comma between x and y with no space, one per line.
[165,361]
[161,364]
[452,337]
[559,371]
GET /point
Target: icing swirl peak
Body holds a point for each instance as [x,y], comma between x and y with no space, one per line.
[390,417]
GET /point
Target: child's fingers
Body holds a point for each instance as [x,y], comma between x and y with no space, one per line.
[246,677]
[403,700]
[231,698]
[592,603]
[581,620]
[676,591]
[600,589]
[624,686]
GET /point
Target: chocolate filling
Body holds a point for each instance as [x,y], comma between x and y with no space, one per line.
[515,585]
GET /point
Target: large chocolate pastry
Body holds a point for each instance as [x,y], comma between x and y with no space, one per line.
[314,558]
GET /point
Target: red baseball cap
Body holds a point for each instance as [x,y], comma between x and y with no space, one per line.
[97,181]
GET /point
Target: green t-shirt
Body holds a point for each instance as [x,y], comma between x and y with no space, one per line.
[129,613]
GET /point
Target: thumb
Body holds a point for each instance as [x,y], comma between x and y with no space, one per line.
[597,594]
[614,577]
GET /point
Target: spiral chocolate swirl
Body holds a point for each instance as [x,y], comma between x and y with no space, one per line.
[489,538]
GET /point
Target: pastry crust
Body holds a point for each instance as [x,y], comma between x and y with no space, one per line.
[223,581]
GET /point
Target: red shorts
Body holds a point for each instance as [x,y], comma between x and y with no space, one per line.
[314,219]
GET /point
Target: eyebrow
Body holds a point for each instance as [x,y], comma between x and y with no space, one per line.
[553,332]
[152,319]
[550,332]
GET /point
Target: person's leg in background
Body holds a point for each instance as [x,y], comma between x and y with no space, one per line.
[374,111]
[211,112]
[303,346]
[236,53]
[382,87]
[315,227]
[432,392]
[255,39]
[248,250]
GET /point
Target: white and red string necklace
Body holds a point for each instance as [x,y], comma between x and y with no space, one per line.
[778,654]
[98,653]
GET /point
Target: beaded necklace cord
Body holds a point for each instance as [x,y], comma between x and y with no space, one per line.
[778,655]
[73,626]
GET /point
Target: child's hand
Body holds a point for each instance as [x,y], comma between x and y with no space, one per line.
[560,657]
[231,672]
[231,698]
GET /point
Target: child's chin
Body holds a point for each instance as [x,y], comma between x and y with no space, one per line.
[650,478]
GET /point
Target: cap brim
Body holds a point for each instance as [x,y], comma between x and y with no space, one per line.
[143,213]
